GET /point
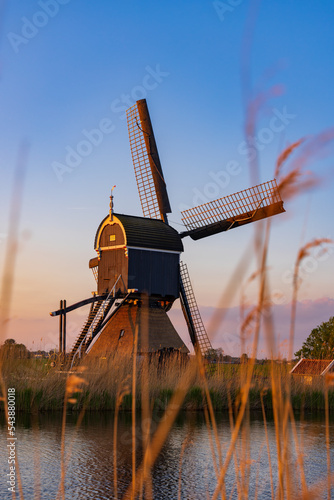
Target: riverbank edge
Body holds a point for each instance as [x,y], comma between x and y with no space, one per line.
[29,400]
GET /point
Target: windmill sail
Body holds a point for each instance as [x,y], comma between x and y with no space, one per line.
[249,205]
[196,328]
[149,176]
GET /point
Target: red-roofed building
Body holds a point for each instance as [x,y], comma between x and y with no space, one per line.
[309,368]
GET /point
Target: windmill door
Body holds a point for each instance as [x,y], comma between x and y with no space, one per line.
[112,264]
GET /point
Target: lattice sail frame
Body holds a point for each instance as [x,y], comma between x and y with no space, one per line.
[234,206]
[196,325]
[142,167]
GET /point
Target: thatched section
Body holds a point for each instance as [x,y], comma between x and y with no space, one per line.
[155,332]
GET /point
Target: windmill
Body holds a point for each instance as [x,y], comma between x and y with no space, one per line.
[142,254]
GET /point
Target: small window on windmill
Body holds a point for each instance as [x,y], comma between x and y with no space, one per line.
[113,237]
[121,334]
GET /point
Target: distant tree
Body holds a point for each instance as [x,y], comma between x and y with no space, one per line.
[320,343]
[10,349]
[244,358]
[220,353]
[211,355]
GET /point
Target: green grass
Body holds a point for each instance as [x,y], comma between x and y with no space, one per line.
[41,388]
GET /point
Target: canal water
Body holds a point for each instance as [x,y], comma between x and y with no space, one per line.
[184,467]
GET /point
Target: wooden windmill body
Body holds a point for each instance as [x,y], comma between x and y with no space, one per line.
[146,254]
[140,257]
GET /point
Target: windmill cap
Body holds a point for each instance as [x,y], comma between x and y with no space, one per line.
[142,232]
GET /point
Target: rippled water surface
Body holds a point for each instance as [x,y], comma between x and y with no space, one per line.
[89,471]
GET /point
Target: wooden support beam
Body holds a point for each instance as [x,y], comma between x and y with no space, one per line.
[60,327]
[64,327]
[79,304]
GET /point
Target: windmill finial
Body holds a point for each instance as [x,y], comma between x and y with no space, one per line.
[111,205]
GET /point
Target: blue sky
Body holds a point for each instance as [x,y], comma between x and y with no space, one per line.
[70,67]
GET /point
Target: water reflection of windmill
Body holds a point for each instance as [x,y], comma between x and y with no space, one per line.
[142,254]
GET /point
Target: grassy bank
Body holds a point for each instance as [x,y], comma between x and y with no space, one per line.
[39,387]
